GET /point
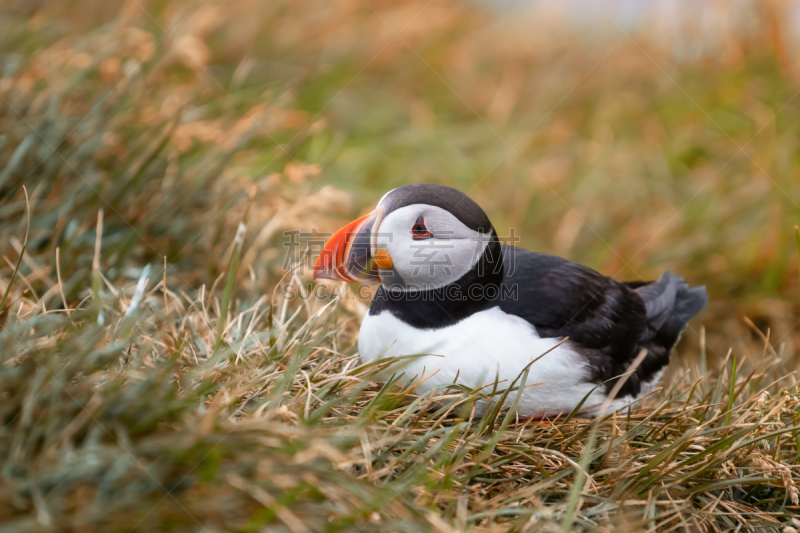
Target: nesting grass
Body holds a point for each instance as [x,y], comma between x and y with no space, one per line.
[140,423]
[153,377]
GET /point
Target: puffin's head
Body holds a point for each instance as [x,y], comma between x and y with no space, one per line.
[419,237]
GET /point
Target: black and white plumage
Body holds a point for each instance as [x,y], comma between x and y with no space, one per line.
[450,288]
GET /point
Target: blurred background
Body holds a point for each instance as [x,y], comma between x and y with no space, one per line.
[630,136]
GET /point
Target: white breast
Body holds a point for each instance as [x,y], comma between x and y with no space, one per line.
[479,348]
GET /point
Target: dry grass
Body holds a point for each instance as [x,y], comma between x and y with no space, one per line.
[193,397]
[139,423]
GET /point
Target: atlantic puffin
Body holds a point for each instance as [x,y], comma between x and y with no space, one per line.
[481,311]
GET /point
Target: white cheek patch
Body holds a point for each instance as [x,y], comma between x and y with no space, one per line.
[430,263]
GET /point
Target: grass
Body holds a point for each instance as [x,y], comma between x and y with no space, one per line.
[154,378]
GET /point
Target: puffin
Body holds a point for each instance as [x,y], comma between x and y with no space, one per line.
[479,313]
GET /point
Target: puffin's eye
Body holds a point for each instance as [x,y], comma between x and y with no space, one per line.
[419,231]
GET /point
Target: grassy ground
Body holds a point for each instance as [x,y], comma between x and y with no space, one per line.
[153,378]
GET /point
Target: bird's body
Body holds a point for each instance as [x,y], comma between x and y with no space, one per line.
[481,311]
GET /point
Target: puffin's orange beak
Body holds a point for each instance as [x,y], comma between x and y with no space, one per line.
[350,254]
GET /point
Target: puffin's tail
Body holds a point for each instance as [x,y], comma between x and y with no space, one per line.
[671,304]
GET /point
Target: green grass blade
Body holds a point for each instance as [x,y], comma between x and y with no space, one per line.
[579,406]
[580,480]
[730,394]
[233,269]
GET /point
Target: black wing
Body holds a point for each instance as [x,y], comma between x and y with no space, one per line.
[565,299]
[609,321]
